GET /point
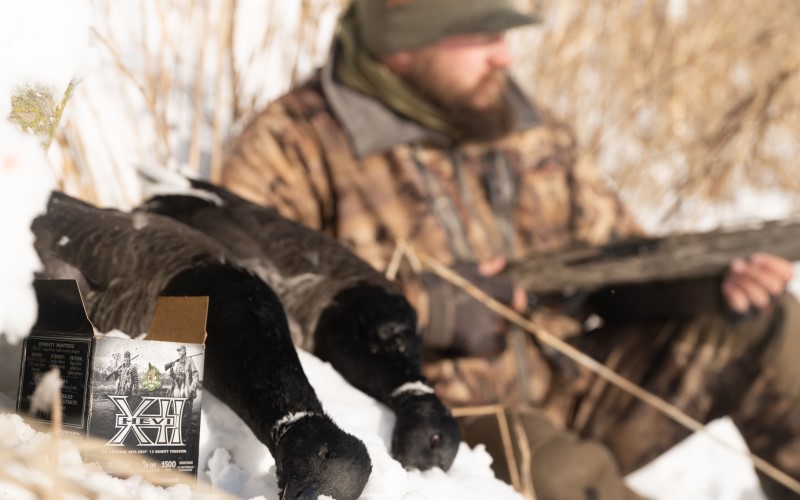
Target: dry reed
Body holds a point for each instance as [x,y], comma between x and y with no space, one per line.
[683,103]
[177,78]
[39,469]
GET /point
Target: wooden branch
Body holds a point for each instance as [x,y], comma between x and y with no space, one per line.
[671,258]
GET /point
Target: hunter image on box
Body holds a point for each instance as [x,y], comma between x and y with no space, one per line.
[146,400]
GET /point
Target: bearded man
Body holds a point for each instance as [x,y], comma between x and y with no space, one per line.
[413,130]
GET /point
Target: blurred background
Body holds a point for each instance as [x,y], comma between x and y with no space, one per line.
[692,107]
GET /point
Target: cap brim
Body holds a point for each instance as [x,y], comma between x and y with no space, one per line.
[491,21]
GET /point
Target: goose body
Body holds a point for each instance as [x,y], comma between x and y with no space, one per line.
[343,310]
[123,262]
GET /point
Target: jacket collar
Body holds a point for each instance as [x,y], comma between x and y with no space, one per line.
[374,128]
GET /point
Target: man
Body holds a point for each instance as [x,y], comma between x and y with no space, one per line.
[184,376]
[127,377]
[185,381]
[413,130]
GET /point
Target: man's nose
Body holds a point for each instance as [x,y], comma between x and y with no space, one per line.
[501,54]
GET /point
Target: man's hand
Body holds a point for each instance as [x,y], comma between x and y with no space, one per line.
[754,283]
[519,300]
[463,325]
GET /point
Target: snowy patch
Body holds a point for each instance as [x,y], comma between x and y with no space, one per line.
[25,184]
[44,42]
[470,476]
[233,460]
[48,389]
[228,446]
[31,448]
[5,98]
[159,181]
[688,469]
[224,474]
[63,241]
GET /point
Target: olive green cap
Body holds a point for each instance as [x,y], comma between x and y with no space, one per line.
[393,25]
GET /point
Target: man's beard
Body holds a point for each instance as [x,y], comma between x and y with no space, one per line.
[486,123]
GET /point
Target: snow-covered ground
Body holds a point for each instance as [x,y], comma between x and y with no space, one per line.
[700,468]
[246,469]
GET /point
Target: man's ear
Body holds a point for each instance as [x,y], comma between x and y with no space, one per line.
[399,62]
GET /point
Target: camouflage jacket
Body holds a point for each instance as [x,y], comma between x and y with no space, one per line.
[335,160]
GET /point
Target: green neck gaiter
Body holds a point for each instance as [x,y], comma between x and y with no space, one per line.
[356,68]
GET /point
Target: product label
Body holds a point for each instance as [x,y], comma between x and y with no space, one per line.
[72,357]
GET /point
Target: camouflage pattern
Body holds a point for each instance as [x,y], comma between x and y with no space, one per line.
[527,193]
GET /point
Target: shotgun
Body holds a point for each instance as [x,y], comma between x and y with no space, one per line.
[171,363]
[641,260]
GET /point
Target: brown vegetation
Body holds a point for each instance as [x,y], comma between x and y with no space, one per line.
[681,101]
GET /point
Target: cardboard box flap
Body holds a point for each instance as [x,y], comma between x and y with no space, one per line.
[61,308]
[179,319]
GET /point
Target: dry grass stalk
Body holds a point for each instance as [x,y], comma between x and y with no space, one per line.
[547,338]
[197,105]
[224,55]
[55,435]
[525,458]
[75,176]
[181,79]
[36,469]
[37,466]
[505,435]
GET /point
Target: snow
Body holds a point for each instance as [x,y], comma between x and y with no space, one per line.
[683,471]
[44,42]
[25,184]
[232,459]
[29,446]
[46,392]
